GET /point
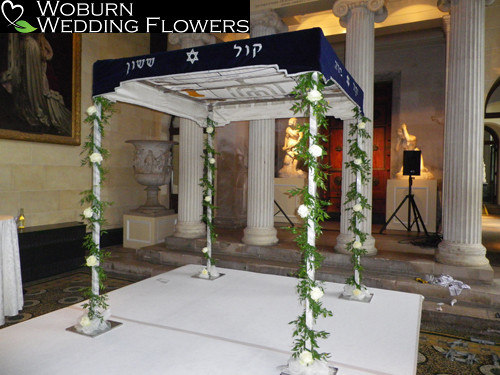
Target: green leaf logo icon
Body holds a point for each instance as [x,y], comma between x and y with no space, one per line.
[12,13]
[24,27]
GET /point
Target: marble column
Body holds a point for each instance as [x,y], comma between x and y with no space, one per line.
[260,228]
[260,215]
[189,224]
[463,136]
[358,17]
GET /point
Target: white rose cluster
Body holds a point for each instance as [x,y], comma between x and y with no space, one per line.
[303,211]
[316,293]
[356,293]
[314,96]
[95,158]
[92,261]
[88,213]
[315,151]
[357,207]
[210,129]
[92,110]
[306,358]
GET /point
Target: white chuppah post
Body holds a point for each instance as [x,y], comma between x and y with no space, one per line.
[95,320]
[96,190]
[311,226]
[306,360]
[360,166]
[209,272]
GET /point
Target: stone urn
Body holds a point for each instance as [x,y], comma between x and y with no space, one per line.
[152,168]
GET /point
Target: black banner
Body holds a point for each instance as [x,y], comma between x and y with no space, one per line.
[63,16]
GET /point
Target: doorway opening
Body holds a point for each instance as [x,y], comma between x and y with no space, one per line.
[490,159]
[382,112]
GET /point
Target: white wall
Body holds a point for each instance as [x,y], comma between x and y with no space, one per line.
[46,179]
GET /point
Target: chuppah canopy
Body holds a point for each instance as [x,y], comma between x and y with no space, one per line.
[249,79]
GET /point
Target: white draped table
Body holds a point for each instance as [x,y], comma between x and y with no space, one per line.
[235,325]
[11,288]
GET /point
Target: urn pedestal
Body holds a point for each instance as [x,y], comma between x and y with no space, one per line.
[150,223]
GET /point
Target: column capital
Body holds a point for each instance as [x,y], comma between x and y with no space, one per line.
[187,40]
[445,5]
[341,8]
[446,24]
[266,23]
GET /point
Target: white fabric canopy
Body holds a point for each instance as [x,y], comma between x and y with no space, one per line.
[243,80]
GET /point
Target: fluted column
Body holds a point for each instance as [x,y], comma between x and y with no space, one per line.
[189,224]
[358,17]
[266,23]
[261,143]
[260,215]
[463,136]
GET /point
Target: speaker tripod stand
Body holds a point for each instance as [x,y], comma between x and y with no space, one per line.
[412,207]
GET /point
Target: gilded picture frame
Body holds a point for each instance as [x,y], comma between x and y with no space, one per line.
[40,91]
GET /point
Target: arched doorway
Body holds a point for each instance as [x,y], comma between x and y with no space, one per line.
[490,159]
[491,144]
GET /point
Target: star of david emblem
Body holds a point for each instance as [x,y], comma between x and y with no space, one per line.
[192,56]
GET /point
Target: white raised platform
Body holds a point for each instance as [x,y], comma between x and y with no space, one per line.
[237,324]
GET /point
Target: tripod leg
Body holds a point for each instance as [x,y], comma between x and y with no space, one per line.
[419,217]
[411,208]
[394,214]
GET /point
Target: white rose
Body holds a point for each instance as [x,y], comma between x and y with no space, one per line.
[314,95]
[303,211]
[88,213]
[212,161]
[315,151]
[316,293]
[92,261]
[208,198]
[306,358]
[92,110]
[95,158]
[210,129]
[356,245]
[204,250]
[361,125]
[357,207]
[357,293]
[204,272]
[358,161]
[85,321]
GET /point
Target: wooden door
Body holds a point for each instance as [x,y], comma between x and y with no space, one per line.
[381,156]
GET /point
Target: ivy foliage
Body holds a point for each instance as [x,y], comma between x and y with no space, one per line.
[97,302]
[360,167]
[208,186]
[306,337]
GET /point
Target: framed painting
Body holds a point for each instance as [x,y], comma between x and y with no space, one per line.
[40,87]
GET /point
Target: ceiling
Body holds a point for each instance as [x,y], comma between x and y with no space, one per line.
[403,16]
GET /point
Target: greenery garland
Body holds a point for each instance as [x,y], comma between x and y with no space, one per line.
[94,155]
[359,165]
[208,185]
[308,98]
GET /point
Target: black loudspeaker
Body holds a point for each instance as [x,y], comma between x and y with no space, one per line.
[411,163]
